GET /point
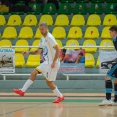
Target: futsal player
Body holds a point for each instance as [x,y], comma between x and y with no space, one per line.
[49,67]
[111,75]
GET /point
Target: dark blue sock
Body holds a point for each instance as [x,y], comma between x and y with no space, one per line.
[115,92]
[108,86]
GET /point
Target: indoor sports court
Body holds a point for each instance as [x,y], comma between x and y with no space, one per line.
[81,35]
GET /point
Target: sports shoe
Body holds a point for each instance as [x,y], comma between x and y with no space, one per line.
[106,102]
[114,103]
[58,99]
[18,91]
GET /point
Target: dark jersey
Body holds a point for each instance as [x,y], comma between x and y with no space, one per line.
[115,42]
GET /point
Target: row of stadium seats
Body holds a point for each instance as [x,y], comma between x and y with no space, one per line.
[33,60]
[61,20]
[74,43]
[58,33]
[80,8]
[86,1]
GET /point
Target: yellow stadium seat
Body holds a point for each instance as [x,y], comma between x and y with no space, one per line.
[19,60]
[5,42]
[77,20]
[33,61]
[89,60]
[14,20]
[9,33]
[106,42]
[47,18]
[35,43]
[21,43]
[38,34]
[109,20]
[59,33]
[75,33]
[26,33]
[89,43]
[59,44]
[94,20]
[2,20]
[62,20]
[74,43]
[98,62]
[105,33]
[30,20]
[91,32]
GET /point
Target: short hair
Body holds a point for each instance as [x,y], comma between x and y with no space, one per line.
[113,28]
[43,24]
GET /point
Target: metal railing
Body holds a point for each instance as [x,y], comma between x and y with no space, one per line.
[67,75]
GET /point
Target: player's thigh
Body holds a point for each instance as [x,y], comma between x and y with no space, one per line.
[112,73]
[53,72]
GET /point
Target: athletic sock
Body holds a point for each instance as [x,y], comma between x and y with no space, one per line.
[108,86]
[115,92]
[57,92]
[26,85]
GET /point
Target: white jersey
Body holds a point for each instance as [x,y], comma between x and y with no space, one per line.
[47,44]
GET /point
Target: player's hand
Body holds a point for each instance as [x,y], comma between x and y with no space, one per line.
[25,53]
[53,65]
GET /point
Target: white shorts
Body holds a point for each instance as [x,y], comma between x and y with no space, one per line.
[48,72]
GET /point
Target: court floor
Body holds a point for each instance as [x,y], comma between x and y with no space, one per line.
[43,107]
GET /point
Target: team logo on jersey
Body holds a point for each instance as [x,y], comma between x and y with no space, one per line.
[45,51]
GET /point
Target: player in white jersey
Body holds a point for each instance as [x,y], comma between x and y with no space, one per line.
[49,68]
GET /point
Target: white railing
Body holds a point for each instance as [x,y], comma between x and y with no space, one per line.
[67,75]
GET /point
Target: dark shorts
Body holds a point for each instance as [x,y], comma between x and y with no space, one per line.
[112,73]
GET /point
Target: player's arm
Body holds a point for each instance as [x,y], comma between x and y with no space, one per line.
[66,57]
[38,51]
[57,53]
[79,57]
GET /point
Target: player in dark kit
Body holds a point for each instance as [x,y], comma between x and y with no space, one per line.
[111,75]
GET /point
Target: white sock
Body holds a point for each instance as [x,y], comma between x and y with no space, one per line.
[57,92]
[26,85]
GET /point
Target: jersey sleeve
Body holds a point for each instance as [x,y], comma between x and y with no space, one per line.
[52,41]
[68,52]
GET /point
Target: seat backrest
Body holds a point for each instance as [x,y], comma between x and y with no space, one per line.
[2,20]
[89,57]
[98,1]
[94,20]
[80,8]
[92,32]
[19,58]
[109,20]
[30,19]
[48,19]
[77,20]
[22,42]
[110,8]
[72,42]
[62,20]
[75,31]
[35,7]
[34,58]
[82,1]
[35,43]
[96,8]
[106,33]
[59,31]
[106,42]
[5,43]
[26,31]
[14,20]
[65,8]
[10,31]
[111,1]
[49,8]
[38,34]
[89,43]
[59,44]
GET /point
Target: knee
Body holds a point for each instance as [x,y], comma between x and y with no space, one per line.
[107,78]
[115,81]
